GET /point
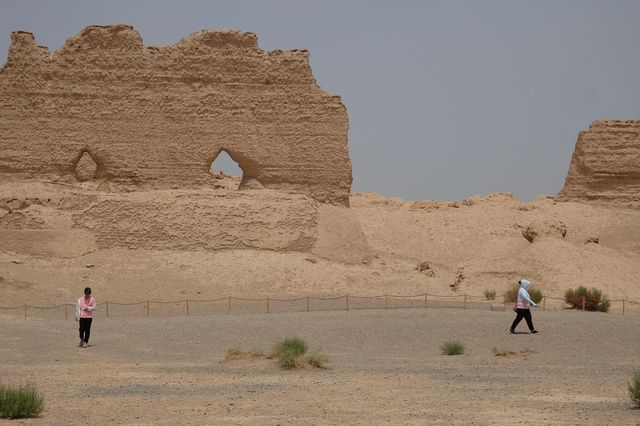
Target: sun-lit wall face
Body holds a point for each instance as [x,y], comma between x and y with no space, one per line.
[606,164]
[106,107]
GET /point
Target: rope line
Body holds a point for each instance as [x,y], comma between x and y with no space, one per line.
[382,299]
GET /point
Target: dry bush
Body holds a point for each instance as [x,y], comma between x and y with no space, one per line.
[505,352]
[234,354]
[594,299]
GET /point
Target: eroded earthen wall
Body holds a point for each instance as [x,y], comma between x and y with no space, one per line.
[104,106]
[606,164]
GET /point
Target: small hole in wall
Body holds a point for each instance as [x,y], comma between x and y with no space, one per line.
[226,171]
[86,167]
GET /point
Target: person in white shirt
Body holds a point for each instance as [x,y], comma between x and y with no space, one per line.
[523,308]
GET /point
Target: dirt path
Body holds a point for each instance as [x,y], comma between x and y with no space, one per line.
[384,368]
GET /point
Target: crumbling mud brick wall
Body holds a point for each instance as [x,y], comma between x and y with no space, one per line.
[606,164]
[104,106]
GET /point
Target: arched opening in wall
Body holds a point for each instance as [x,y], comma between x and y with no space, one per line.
[226,172]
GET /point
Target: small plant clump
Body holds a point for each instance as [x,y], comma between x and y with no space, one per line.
[634,389]
[290,354]
[234,354]
[490,294]
[452,348]
[512,294]
[20,402]
[505,352]
[593,299]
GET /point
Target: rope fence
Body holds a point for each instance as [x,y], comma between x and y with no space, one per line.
[239,305]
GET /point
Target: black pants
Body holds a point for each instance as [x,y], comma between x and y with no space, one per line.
[526,314]
[85,329]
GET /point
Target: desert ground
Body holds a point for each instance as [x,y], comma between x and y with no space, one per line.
[385,367]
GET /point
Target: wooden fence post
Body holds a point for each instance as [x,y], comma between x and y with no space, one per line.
[544,302]
[25,312]
[386,301]
[147,309]
[107,309]
[187,306]
[66,311]
[307,303]
[465,301]
[583,303]
[425,300]
[268,308]
[623,306]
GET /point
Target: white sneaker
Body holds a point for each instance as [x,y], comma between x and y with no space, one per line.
[85,344]
[80,344]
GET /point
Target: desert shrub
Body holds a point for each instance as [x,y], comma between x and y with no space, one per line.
[512,294]
[634,388]
[291,345]
[594,299]
[452,347]
[288,360]
[289,353]
[19,402]
[490,294]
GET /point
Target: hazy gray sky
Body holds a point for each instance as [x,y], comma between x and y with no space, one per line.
[446,99]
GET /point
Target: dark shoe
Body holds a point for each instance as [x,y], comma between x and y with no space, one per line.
[534,331]
[512,331]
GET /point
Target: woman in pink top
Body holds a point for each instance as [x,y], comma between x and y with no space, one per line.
[84,314]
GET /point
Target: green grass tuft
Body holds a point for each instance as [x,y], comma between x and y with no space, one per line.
[290,355]
[452,348]
[291,345]
[634,388]
[19,402]
[490,294]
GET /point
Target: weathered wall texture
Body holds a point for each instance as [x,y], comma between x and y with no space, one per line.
[106,107]
[606,164]
[52,220]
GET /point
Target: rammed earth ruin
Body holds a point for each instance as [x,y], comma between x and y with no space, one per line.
[107,143]
[104,106]
[605,165]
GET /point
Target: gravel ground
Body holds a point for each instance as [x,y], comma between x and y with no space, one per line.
[385,367]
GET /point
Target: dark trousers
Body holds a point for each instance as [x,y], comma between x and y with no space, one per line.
[523,313]
[85,329]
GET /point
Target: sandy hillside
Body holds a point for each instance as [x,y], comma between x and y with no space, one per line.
[480,243]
